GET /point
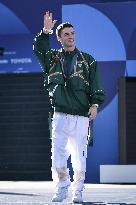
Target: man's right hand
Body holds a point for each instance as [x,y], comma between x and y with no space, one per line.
[48,23]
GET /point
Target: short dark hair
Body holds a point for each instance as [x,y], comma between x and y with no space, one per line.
[61,27]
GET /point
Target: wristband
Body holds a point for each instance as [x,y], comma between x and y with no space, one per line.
[95,105]
[47,30]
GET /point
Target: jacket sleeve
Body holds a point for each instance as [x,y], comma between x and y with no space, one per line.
[97,95]
[42,50]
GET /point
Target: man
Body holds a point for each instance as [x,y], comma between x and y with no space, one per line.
[75,91]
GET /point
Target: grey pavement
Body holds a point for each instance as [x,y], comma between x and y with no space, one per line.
[40,193]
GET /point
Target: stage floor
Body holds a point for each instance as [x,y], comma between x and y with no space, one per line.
[40,193]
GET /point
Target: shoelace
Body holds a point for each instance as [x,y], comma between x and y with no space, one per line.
[78,193]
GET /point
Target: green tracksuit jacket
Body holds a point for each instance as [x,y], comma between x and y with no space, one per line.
[73,93]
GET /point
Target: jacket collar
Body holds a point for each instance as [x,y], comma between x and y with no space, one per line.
[75,51]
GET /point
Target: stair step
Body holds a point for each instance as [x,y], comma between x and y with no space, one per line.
[24,133]
[20,78]
[23,112]
[15,141]
[26,166]
[26,105]
[10,86]
[25,149]
[25,157]
[22,126]
[22,99]
[43,175]
[23,119]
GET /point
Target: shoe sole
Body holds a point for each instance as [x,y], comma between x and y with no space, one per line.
[77,202]
[60,200]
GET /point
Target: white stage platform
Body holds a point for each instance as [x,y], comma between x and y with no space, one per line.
[118,174]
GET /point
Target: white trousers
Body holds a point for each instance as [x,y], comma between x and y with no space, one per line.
[69,137]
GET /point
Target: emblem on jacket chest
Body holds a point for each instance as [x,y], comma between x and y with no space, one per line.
[80,64]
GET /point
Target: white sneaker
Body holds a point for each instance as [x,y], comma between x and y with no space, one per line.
[61,193]
[77,197]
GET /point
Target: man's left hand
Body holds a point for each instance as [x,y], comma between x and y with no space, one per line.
[92,112]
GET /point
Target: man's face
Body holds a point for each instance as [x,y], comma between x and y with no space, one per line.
[67,37]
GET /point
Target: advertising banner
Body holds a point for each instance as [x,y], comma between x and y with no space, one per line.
[17,54]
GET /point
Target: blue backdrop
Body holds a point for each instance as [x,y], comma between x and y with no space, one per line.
[106,31]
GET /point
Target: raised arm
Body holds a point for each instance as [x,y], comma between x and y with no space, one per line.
[41,45]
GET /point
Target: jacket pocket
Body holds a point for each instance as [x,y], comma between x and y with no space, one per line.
[81,99]
[60,97]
